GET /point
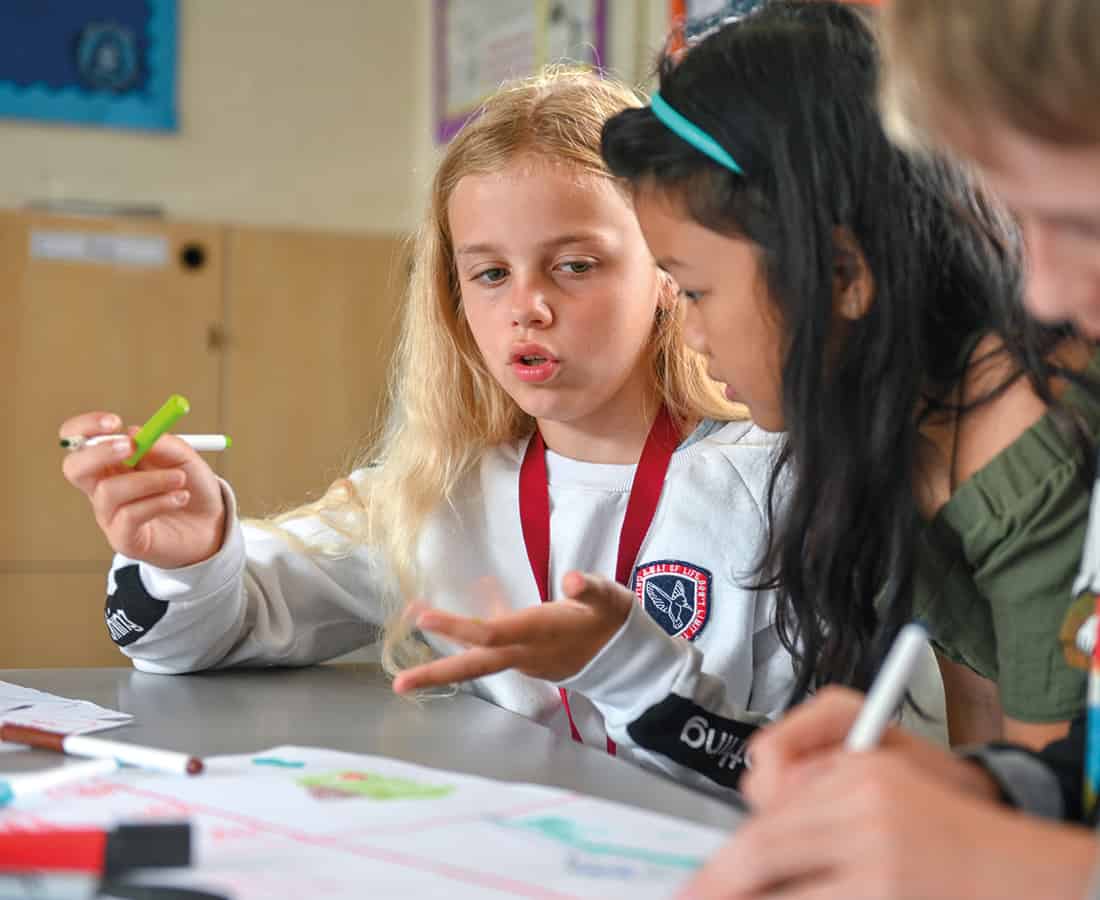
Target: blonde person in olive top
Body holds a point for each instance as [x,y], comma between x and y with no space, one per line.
[998,556]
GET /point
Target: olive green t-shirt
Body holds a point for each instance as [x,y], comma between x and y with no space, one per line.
[996,566]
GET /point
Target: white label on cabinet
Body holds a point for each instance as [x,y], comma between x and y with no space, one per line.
[93,247]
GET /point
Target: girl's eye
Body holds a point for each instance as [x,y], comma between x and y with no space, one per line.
[692,296]
[1088,231]
[577,266]
[491,276]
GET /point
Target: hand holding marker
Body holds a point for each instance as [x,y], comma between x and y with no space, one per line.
[174,408]
[153,496]
[889,688]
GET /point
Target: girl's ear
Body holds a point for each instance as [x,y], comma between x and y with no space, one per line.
[853,283]
[668,291]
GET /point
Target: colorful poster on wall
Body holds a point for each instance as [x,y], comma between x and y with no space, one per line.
[480,43]
[93,62]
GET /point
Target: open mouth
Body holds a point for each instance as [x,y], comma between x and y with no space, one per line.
[534,367]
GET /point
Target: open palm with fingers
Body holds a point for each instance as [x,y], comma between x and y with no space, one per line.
[552,641]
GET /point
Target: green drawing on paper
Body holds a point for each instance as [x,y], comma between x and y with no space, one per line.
[570,834]
[350,785]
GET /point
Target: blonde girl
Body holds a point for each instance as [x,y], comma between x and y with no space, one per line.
[545,417]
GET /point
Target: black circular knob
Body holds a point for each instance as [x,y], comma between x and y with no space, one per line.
[193,256]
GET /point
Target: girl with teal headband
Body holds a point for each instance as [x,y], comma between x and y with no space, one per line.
[1012,85]
[866,303]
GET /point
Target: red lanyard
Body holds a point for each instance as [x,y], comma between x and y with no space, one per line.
[645,492]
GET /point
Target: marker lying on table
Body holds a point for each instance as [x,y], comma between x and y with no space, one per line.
[79,745]
[204,443]
[102,853]
[17,787]
[889,688]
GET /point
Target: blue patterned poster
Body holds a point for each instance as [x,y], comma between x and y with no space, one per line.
[92,62]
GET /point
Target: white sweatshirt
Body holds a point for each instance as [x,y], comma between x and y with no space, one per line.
[695,668]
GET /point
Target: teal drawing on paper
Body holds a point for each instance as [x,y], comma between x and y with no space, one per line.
[278,763]
[569,834]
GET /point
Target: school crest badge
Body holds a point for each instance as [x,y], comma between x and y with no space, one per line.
[675,594]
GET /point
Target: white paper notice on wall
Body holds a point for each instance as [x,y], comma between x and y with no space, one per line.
[145,251]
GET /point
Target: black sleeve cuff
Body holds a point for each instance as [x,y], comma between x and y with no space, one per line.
[694,737]
[131,611]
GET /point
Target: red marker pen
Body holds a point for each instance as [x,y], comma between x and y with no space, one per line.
[101,853]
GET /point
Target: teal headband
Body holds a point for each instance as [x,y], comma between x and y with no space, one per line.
[692,133]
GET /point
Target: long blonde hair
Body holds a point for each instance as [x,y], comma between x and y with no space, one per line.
[445,409]
[1031,64]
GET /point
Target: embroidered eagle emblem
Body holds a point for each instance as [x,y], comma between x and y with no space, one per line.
[676,595]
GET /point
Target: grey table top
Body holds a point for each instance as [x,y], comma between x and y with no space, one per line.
[351,708]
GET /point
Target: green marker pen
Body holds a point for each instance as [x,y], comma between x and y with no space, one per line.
[164,418]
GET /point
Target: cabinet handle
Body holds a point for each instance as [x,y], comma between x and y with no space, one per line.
[217,338]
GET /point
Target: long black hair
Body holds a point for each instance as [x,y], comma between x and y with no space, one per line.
[789,92]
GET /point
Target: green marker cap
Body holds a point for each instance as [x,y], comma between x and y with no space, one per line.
[174,408]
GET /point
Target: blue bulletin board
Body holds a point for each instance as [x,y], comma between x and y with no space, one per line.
[92,62]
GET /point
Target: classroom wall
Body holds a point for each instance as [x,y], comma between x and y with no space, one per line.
[314,118]
[291,113]
[305,115]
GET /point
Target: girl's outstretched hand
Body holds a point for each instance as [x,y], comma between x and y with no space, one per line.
[552,641]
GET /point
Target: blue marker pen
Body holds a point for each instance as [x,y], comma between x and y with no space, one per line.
[16,787]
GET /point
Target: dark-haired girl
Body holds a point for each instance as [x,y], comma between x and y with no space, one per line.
[866,301]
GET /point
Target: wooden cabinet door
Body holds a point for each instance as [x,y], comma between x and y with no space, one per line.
[97,314]
[281,339]
[54,619]
[311,320]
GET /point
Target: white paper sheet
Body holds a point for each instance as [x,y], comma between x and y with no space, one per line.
[14,696]
[27,706]
[320,823]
